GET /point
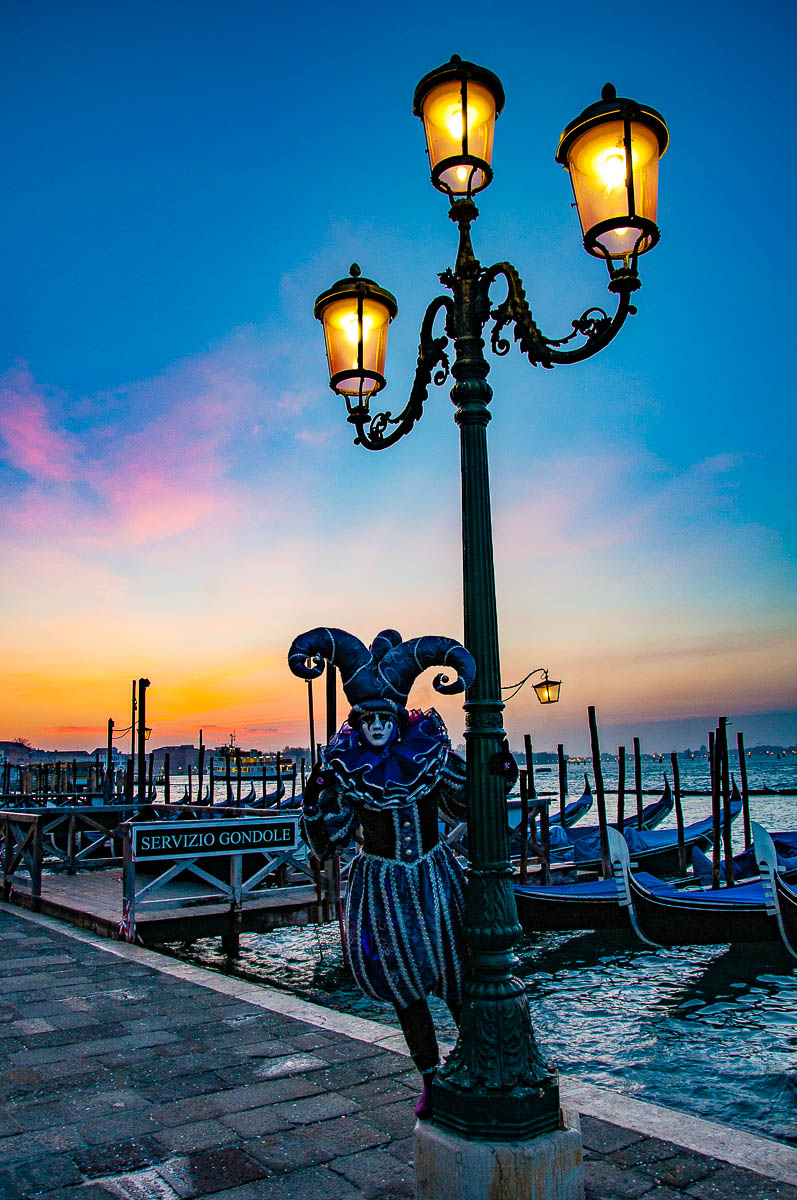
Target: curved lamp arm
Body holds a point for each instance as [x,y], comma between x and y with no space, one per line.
[514,688]
[376,432]
[594,325]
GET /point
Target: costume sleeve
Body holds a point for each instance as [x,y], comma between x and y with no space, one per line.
[451,788]
[328,820]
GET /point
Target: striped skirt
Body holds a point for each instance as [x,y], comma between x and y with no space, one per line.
[404,926]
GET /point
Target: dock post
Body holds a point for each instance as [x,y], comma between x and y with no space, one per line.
[620,787]
[748,830]
[127,930]
[231,941]
[560,755]
[679,812]
[167,782]
[523,866]
[143,684]
[201,770]
[715,810]
[725,784]
[109,764]
[600,796]
[638,782]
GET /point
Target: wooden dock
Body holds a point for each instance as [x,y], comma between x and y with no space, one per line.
[93,900]
[218,873]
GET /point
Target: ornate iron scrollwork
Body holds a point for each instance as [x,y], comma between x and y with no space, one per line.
[594,325]
[383,429]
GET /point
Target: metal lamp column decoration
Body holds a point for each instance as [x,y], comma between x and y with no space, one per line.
[495,1084]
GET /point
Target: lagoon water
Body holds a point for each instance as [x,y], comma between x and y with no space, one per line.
[706,1030]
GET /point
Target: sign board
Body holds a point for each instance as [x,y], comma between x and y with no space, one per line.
[205,839]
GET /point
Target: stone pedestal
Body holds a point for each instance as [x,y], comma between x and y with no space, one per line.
[549,1167]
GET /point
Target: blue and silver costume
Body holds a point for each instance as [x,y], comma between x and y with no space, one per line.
[406,893]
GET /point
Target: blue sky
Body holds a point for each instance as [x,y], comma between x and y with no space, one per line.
[181,491]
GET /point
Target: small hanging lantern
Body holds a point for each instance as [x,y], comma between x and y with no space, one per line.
[547,689]
[458,104]
[612,152]
[355,313]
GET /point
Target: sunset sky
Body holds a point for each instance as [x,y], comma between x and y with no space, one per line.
[180,493]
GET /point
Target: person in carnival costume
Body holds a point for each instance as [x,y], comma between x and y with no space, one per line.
[387,772]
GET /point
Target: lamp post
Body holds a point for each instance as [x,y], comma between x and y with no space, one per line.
[495,1084]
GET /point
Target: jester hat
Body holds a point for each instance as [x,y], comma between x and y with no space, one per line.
[381,676]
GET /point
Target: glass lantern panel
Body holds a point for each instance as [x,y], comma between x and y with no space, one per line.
[445,128]
[597,162]
[342,334]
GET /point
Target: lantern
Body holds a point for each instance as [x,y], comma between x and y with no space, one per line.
[355,313]
[458,104]
[612,152]
[547,689]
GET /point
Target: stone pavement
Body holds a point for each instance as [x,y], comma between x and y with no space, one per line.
[128,1075]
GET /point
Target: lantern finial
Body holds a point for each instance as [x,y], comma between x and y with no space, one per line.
[609,92]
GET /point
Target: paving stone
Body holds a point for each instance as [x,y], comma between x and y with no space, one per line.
[120,1128]
[734,1183]
[607,1181]
[604,1137]
[290,1149]
[379,1091]
[182,1086]
[211,1171]
[114,1158]
[287,1064]
[402,1148]
[198,1135]
[253,1122]
[270,1092]
[315,1108]
[647,1150]
[312,1183]
[680,1170]
[376,1173]
[396,1119]
[42,1141]
[41,1175]
[36,1115]
[146,1184]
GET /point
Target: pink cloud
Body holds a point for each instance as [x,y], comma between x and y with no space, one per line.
[31,443]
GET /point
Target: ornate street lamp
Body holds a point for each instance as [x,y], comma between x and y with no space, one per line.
[547,690]
[495,1084]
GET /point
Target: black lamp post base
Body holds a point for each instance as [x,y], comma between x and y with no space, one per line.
[516,1114]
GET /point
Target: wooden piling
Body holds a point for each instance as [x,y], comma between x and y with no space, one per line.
[201,770]
[600,797]
[679,812]
[748,830]
[725,785]
[524,827]
[716,825]
[638,782]
[544,844]
[227,778]
[621,788]
[238,776]
[190,785]
[167,782]
[562,761]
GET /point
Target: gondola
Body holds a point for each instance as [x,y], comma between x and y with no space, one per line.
[745,865]
[671,916]
[654,850]
[781,897]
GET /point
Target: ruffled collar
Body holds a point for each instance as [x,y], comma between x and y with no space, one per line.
[401,773]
